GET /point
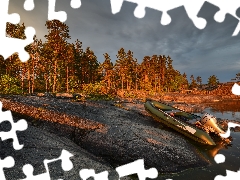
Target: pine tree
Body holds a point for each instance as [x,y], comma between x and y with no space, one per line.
[185,82]
[237,78]
[45,67]
[92,66]
[121,67]
[199,80]
[69,66]
[163,69]
[145,66]
[32,64]
[130,68]
[14,67]
[193,83]
[2,66]
[136,73]
[57,44]
[78,58]
[106,69]
[170,72]
[213,80]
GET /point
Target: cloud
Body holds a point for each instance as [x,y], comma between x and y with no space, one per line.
[194,51]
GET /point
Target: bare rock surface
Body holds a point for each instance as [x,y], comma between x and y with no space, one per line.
[125,143]
[121,136]
[40,145]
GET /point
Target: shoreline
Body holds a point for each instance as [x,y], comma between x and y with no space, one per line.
[110,132]
[101,122]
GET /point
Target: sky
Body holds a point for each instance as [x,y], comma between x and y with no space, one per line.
[211,51]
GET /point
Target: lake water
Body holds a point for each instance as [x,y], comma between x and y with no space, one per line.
[224,110]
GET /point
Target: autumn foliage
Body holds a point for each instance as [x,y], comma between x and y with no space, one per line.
[59,66]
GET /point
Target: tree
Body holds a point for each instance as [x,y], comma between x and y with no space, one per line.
[193,83]
[121,67]
[45,67]
[78,54]
[185,84]
[92,66]
[15,31]
[15,69]
[69,66]
[199,80]
[145,75]
[2,66]
[57,44]
[13,64]
[213,80]
[170,74]
[136,75]
[130,69]
[34,50]
[237,78]
[163,68]
[106,69]
[9,85]
[179,80]
[85,65]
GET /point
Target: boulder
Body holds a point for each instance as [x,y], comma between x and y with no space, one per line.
[64,95]
[40,94]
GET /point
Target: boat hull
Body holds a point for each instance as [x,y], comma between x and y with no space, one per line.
[154,108]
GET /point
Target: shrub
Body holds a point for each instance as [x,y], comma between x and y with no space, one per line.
[9,85]
[97,91]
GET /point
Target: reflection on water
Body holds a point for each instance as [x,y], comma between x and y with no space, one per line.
[223,110]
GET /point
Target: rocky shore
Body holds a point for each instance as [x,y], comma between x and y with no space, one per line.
[101,134]
[196,98]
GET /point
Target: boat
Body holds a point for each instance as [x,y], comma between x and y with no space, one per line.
[201,129]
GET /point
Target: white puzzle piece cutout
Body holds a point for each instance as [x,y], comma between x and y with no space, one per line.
[236,89]
[192,8]
[137,167]
[231,175]
[21,125]
[66,166]
[8,45]
[87,173]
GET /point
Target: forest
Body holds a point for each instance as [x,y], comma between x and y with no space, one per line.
[57,66]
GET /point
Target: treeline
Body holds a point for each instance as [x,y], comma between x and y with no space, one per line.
[59,66]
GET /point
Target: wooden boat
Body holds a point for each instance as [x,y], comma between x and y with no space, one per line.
[191,125]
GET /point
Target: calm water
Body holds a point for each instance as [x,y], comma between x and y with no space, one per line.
[224,110]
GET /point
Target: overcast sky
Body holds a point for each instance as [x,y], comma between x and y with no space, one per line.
[205,52]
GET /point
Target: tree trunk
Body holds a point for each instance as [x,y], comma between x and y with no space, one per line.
[29,82]
[22,81]
[136,85]
[122,83]
[159,85]
[33,75]
[46,83]
[55,76]
[155,85]
[109,83]
[67,86]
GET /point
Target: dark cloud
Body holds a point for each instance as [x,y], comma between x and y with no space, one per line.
[198,52]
